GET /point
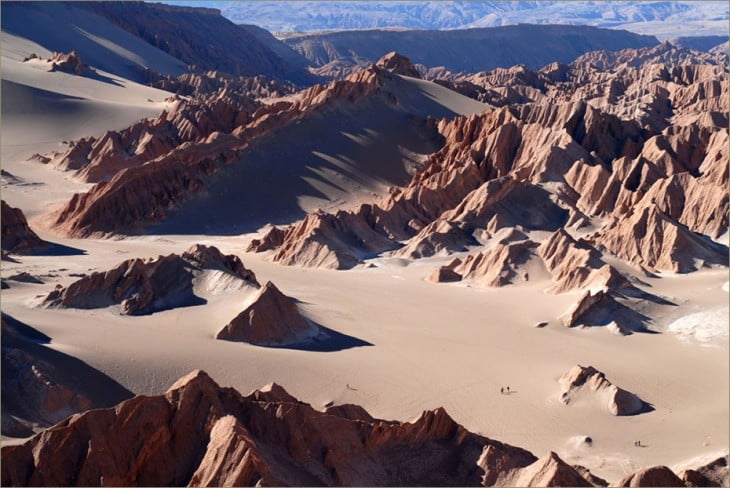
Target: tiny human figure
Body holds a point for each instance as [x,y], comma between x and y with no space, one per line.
[501,390]
[508,389]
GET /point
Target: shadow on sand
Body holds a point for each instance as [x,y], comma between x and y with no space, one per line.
[327,340]
[67,371]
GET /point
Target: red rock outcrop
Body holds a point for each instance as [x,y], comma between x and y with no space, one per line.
[587,302]
[329,241]
[398,64]
[590,477]
[17,236]
[509,255]
[616,400]
[636,149]
[714,473]
[498,266]
[664,53]
[100,159]
[653,476]
[141,286]
[215,83]
[145,193]
[549,470]
[198,433]
[271,319]
[576,265]
[68,62]
[650,238]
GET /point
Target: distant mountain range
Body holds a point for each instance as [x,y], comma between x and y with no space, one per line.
[662,19]
[468,50]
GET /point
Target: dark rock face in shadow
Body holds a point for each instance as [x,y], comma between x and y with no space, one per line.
[42,386]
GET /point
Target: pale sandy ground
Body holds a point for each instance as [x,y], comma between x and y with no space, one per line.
[431,345]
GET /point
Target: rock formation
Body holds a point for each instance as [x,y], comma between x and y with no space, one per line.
[713,473]
[444,274]
[173,173]
[576,265]
[188,121]
[68,62]
[270,319]
[141,286]
[604,162]
[216,83]
[630,147]
[650,238]
[590,477]
[398,64]
[199,433]
[17,236]
[498,266]
[653,476]
[550,470]
[616,400]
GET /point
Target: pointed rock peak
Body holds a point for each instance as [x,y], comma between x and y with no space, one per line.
[273,392]
[197,379]
[550,470]
[437,421]
[550,461]
[398,64]
[270,289]
[270,319]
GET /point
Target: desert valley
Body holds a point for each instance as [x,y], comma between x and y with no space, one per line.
[478,256]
